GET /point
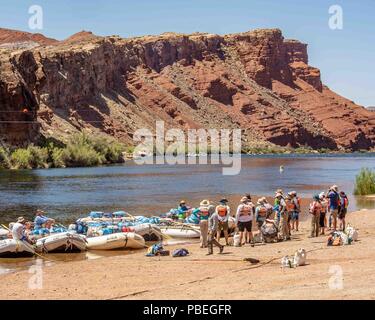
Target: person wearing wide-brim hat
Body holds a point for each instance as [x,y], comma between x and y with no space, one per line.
[244,220]
[18,229]
[281,216]
[223,212]
[204,214]
[333,205]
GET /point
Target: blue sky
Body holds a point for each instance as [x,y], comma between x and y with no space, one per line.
[345,57]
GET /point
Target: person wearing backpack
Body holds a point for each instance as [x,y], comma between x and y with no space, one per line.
[223,212]
[297,209]
[344,203]
[315,209]
[333,206]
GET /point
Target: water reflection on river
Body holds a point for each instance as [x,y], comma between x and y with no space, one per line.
[153,189]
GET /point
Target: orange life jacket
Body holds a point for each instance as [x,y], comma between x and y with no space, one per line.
[290,206]
[262,211]
[222,211]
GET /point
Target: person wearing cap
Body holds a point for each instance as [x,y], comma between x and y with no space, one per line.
[223,213]
[244,219]
[323,212]
[18,230]
[213,229]
[315,209]
[282,215]
[204,214]
[42,221]
[297,209]
[333,206]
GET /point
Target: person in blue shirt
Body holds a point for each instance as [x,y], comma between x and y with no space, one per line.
[333,205]
[42,221]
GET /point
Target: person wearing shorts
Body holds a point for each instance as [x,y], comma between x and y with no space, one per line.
[244,219]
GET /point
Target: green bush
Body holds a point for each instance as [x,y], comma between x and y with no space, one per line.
[109,149]
[57,158]
[80,154]
[32,157]
[21,159]
[365,182]
[4,159]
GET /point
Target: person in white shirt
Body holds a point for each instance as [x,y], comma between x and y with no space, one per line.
[18,229]
[244,219]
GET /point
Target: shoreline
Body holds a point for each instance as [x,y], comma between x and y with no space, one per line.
[198,276]
[259,154]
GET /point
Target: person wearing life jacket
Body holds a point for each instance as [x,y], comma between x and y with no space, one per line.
[344,203]
[314,210]
[283,217]
[244,219]
[42,221]
[323,213]
[223,213]
[204,214]
[276,204]
[297,209]
[261,212]
[183,210]
[333,206]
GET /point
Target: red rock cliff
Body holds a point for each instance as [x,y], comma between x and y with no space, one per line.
[256,81]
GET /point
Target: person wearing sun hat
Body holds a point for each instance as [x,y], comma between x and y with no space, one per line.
[223,212]
[282,216]
[18,229]
[204,214]
[244,219]
[183,210]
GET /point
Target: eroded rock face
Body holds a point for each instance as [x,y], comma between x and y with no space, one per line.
[257,81]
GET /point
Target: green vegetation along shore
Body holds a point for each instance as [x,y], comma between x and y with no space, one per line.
[83,150]
[365,182]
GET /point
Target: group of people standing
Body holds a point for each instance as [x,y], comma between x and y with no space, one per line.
[335,205]
[326,210]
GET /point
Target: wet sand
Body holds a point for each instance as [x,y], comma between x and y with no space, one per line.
[225,276]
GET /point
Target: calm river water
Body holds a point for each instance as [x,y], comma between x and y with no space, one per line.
[67,194]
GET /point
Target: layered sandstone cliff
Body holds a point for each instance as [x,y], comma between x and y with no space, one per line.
[257,81]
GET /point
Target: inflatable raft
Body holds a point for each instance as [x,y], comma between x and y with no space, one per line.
[61,243]
[148,231]
[123,240]
[10,248]
[187,232]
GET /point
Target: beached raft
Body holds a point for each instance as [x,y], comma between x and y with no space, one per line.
[184,231]
[65,242]
[10,248]
[123,240]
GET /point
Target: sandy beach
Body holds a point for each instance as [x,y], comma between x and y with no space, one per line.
[226,276]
